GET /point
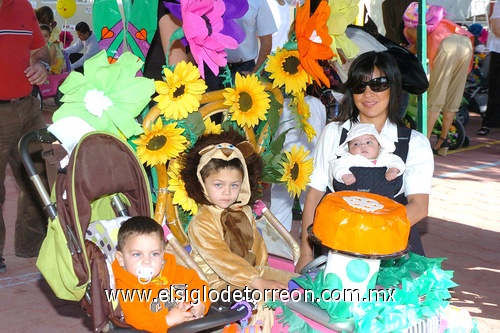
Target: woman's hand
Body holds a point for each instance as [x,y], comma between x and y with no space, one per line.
[304,259]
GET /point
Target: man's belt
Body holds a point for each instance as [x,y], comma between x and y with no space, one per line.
[13,100]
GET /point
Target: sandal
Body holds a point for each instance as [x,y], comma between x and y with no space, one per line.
[483,131]
[443,149]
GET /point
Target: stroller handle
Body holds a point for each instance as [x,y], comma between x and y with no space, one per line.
[42,136]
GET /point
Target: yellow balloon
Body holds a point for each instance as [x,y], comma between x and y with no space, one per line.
[66,8]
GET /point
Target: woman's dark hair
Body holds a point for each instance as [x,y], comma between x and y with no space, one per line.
[362,70]
[45,15]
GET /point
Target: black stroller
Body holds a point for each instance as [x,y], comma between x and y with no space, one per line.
[475,98]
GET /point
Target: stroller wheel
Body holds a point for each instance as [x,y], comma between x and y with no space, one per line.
[456,135]
[466,142]
[463,115]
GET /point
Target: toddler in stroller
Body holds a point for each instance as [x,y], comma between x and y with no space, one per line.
[102,180]
[139,265]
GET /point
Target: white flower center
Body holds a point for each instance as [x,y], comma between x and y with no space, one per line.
[368,205]
[315,38]
[96,102]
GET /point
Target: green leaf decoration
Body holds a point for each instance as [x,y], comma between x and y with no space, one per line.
[413,288]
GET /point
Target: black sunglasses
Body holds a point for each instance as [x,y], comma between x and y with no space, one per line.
[377,84]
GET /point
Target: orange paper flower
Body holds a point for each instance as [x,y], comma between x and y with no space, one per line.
[313,39]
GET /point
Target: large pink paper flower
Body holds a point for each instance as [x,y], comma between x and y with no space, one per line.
[202,24]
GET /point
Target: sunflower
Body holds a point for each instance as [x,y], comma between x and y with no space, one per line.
[248,101]
[211,127]
[296,170]
[181,92]
[178,187]
[304,113]
[303,109]
[286,70]
[160,143]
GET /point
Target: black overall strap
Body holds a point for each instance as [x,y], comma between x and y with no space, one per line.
[402,147]
[343,136]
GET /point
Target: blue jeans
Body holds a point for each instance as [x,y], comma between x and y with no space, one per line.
[17,119]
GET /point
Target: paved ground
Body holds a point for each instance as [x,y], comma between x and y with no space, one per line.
[463,226]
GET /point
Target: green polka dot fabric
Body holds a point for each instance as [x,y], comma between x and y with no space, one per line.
[104,233]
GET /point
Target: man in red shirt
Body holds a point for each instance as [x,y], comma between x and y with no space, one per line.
[24,58]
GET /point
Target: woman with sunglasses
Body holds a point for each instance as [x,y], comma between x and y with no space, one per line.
[372,96]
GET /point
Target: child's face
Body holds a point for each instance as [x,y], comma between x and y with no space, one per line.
[223,187]
[142,251]
[46,35]
[364,145]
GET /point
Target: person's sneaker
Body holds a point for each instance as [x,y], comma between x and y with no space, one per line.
[3,266]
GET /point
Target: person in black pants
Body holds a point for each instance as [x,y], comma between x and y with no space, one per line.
[492,116]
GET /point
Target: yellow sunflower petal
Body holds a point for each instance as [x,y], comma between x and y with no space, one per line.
[178,187]
[211,127]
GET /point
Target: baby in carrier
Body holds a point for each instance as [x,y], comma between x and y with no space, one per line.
[365,148]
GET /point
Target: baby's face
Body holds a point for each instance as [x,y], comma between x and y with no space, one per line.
[223,187]
[142,251]
[364,145]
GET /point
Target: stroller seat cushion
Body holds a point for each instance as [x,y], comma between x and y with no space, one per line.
[104,234]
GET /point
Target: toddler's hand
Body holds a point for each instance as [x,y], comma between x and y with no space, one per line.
[258,207]
[179,314]
[198,310]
